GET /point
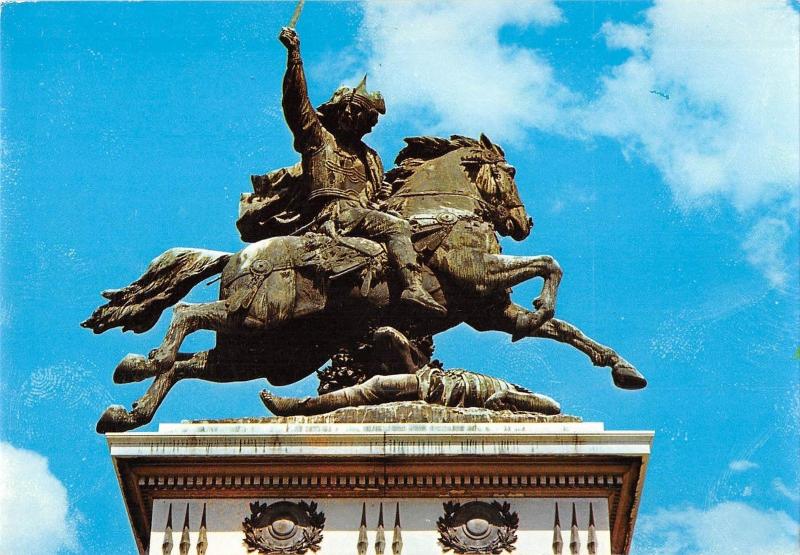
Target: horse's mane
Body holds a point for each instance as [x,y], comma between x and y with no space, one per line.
[428,148]
[421,149]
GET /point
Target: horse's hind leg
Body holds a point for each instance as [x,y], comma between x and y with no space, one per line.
[135,368]
[186,319]
[197,365]
[117,419]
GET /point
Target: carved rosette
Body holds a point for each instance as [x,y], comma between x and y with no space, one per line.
[478,527]
[283,528]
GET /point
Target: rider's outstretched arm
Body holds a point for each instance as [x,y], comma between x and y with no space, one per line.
[297,108]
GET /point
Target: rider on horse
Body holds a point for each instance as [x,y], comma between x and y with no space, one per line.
[345,176]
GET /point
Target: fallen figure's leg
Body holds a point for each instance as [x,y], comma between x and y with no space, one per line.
[416,387]
[523,401]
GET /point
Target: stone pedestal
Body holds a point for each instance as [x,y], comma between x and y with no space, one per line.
[332,488]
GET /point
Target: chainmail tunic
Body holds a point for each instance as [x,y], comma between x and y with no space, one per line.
[459,388]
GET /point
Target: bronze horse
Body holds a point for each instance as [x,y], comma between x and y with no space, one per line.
[288,303]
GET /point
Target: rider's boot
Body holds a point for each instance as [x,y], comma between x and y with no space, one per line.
[414,293]
[404,258]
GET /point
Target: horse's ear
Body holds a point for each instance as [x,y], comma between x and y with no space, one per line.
[486,143]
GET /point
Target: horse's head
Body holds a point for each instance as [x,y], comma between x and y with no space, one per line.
[494,179]
[462,174]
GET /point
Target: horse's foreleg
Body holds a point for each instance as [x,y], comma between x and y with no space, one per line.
[186,319]
[623,372]
[507,271]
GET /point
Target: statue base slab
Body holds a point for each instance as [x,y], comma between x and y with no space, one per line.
[227,487]
[405,411]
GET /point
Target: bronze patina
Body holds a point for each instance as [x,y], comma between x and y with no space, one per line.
[340,253]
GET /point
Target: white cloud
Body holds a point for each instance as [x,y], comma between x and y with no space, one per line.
[763,248]
[730,126]
[727,133]
[729,129]
[447,57]
[790,494]
[742,465]
[729,528]
[624,35]
[33,505]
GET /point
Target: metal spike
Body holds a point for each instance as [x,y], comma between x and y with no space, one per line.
[185,543]
[202,539]
[574,538]
[166,546]
[363,543]
[362,86]
[397,536]
[591,545]
[380,538]
[558,541]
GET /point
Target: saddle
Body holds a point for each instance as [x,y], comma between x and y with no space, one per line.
[334,257]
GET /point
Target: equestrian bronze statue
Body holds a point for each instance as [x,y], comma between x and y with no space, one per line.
[339,250]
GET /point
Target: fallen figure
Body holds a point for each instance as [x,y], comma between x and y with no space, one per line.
[450,388]
[411,382]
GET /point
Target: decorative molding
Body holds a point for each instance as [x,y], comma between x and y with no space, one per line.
[397,535]
[382,461]
[284,527]
[362,544]
[478,527]
[574,535]
[202,538]
[591,544]
[380,537]
[185,542]
[558,540]
[177,480]
[167,545]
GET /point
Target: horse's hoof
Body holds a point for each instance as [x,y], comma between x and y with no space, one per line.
[626,376]
[132,368]
[115,419]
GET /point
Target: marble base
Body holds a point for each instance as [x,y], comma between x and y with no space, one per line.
[405,411]
[210,475]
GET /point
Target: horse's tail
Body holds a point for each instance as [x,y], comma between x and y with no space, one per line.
[167,279]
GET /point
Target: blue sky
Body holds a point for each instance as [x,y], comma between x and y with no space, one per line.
[131,128]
